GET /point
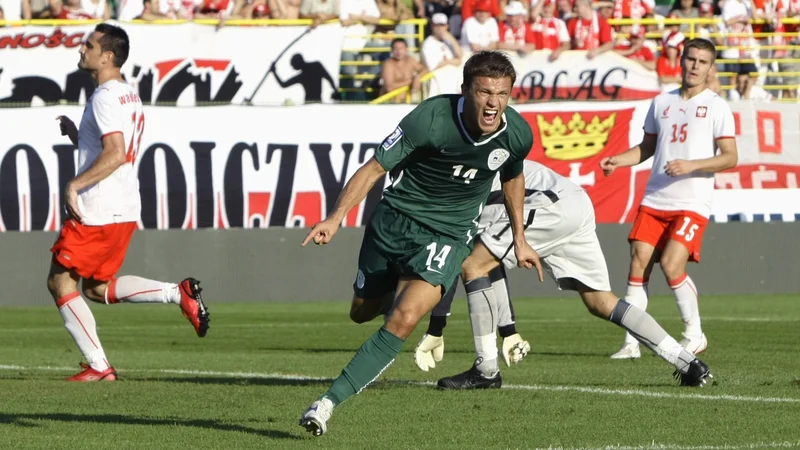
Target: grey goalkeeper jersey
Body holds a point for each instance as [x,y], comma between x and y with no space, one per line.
[543,187]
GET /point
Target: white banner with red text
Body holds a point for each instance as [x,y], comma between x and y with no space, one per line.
[183,64]
[233,166]
[571,77]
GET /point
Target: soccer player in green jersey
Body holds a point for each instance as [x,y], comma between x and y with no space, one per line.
[442,159]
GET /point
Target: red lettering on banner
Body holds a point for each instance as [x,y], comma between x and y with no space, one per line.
[307,209]
[258,208]
[352,217]
[32,40]
[759,176]
[737,122]
[765,145]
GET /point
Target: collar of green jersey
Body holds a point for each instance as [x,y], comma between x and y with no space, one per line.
[483,139]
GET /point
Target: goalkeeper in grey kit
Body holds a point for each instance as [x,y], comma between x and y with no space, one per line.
[560,226]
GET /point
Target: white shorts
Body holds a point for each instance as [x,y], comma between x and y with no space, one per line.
[564,236]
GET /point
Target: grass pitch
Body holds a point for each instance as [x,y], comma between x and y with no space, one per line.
[246,384]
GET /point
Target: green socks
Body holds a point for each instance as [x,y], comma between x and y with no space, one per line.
[374,356]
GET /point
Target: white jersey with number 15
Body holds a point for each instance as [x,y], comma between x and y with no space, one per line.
[113,108]
[687,130]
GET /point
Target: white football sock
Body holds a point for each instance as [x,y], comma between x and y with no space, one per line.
[637,296]
[483,317]
[686,296]
[79,321]
[131,289]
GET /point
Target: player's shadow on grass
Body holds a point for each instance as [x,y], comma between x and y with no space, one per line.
[24,420]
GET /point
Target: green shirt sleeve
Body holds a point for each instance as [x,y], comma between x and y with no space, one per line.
[411,134]
[523,146]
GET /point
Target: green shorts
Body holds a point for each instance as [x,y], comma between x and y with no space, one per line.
[395,245]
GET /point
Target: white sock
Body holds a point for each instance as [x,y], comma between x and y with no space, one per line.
[79,321]
[483,317]
[686,297]
[673,353]
[131,289]
[637,296]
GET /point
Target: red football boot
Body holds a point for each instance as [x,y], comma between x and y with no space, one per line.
[193,307]
[90,374]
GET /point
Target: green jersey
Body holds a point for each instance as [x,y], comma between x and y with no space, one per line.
[440,176]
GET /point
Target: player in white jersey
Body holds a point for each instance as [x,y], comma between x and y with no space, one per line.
[560,226]
[684,129]
[103,207]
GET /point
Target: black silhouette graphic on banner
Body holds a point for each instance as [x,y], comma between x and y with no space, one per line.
[26,88]
[311,76]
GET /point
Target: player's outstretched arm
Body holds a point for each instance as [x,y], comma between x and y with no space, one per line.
[514,199]
[632,157]
[353,193]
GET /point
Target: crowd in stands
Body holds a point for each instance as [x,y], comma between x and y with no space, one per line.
[456,26]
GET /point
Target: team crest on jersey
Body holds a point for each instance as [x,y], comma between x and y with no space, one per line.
[393,138]
[702,111]
[497,158]
[360,279]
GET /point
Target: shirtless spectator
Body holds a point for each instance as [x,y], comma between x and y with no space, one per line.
[283,9]
[400,70]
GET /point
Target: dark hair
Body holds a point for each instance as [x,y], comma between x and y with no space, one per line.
[701,44]
[396,40]
[488,63]
[114,40]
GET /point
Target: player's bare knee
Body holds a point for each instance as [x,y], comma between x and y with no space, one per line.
[599,303]
[95,294]
[402,322]
[672,267]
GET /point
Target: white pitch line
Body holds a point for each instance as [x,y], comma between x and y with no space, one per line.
[518,387]
[654,446]
[60,329]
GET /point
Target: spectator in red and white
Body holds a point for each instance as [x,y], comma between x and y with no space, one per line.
[736,15]
[68,10]
[668,66]
[98,9]
[469,7]
[515,34]
[221,9]
[480,32]
[632,9]
[549,32]
[746,89]
[589,31]
[632,47]
[440,48]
